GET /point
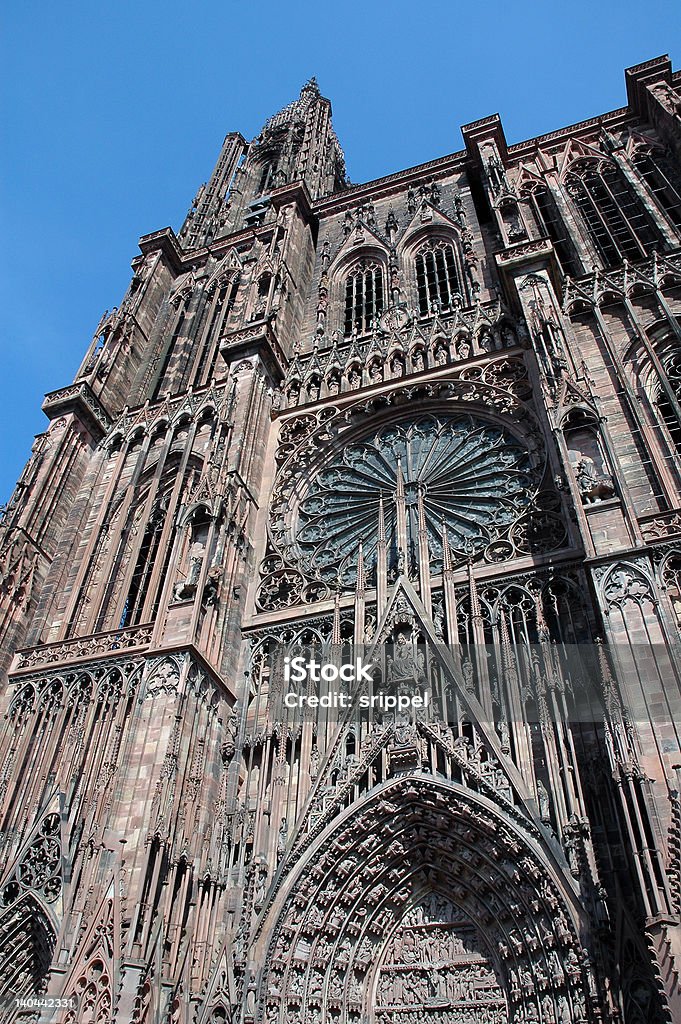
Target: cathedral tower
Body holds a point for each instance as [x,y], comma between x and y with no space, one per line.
[433,420]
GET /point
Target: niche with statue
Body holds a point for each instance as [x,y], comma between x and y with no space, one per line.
[587,459]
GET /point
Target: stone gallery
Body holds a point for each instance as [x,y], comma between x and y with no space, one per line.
[434,419]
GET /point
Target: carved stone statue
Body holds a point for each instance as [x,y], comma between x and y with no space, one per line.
[406,665]
[282,839]
[544,802]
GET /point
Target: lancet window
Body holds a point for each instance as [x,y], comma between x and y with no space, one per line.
[663,180]
[664,396]
[267,176]
[661,386]
[618,223]
[181,303]
[364,296]
[671,578]
[438,280]
[551,225]
[225,296]
[144,566]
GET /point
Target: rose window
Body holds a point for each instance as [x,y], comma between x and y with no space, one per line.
[474,477]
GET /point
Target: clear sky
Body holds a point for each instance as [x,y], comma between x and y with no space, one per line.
[114,112]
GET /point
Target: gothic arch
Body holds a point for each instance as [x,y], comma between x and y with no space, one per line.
[587,456]
[611,210]
[348,264]
[27,940]
[325,936]
[623,584]
[537,195]
[655,367]
[447,279]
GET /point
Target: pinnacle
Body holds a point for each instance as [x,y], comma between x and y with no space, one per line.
[311,85]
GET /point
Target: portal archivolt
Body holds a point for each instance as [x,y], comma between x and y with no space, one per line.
[424,904]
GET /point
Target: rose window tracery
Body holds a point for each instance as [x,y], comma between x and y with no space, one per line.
[471,476]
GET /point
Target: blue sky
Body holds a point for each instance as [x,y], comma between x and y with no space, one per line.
[114,113]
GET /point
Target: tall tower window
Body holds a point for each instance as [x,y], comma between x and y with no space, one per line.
[144,567]
[551,225]
[267,173]
[617,221]
[671,364]
[659,387]
[437,277]
[663,180]
[363,297]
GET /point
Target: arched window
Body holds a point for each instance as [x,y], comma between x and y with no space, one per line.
[663,399]
[663,390]
[551,225]
[663,180]
[671,578]
[364,293]
[437,276]
[268,172]
[144,567]
[617,221]
[225,292]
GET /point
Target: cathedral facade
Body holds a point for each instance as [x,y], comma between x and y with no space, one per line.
[435,418]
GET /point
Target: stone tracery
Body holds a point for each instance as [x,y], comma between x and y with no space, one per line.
[479,476]
[472,476]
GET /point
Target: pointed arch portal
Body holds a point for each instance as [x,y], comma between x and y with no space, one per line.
[424,904]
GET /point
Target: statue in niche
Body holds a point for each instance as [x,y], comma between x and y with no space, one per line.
[405,731]
[468,681]
[397,366]
[463,349]
[547,1011]
[439,621]
[406,665]
[592,475]
[375,372]
[514,224]
[260,887]
[187,588]
[486,341]
[314,761]
[543,798]
[441,354]
[282,839]
[229,743]
[592,486]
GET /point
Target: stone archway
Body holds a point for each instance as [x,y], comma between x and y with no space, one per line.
[510,925]
[27,941]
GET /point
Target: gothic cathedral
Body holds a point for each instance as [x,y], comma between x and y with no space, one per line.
[436,416]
